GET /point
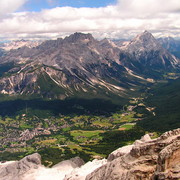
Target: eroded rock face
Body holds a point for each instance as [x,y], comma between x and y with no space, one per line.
[168,164]
[152,159]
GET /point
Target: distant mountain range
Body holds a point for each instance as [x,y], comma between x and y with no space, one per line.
[18,44]
[80,65]
[171,44]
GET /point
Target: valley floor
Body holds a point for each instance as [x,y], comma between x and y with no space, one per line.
[88,136]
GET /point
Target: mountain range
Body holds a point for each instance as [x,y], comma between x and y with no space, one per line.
[80,65]
[18,44]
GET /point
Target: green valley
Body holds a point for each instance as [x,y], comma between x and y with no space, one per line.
[93,129]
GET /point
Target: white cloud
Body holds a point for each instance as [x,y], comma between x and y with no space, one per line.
[149,6]
[9,6]
[127,17]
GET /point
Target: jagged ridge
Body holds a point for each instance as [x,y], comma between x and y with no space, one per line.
[79,63]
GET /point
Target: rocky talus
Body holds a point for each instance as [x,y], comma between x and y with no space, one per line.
[145,159]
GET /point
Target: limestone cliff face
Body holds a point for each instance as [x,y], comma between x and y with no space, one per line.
[146,159]
[152,159]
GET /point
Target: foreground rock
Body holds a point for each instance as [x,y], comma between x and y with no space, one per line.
[146,159]
[15,170]
[30,168]
[152,159]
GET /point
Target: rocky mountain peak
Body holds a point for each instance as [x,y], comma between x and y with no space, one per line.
[146,34]
[79,37]
[144,41]
[148,53]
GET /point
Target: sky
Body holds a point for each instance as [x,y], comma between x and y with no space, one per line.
[116,19]
[38,5]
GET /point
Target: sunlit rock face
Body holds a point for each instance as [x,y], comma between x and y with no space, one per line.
[147,159]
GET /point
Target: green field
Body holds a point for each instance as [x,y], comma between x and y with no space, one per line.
[127,126]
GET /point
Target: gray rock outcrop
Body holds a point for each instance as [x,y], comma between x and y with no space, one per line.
[15,170]
[30,168]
